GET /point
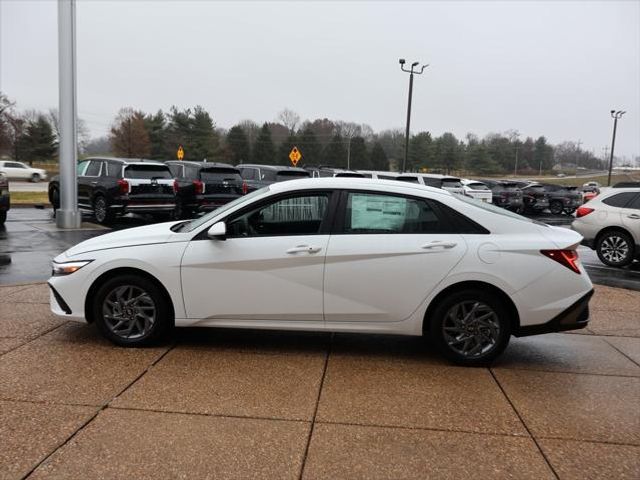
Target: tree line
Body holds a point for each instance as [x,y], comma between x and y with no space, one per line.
[33,135]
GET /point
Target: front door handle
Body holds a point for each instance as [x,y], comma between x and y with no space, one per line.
[438,244]
[303,249]
[634,216]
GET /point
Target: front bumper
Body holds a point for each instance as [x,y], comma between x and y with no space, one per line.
[574,317]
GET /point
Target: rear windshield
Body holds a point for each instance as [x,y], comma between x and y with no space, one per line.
[291,175]
[451,183]
[220,174]
[147,172]
[477,186]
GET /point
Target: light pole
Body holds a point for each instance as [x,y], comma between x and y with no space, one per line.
[615,115]
[515,168]
[411,72]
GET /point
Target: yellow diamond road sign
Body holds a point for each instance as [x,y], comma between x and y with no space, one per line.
[180,153]
[295,156]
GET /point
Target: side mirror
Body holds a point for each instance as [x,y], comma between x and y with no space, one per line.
[218,231]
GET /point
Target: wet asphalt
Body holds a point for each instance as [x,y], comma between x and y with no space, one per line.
[28,242]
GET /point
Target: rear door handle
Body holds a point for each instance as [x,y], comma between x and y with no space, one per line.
[94,183]
[634,216]
[303,249]
[438,244]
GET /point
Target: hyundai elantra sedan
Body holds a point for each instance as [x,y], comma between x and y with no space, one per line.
[334,254]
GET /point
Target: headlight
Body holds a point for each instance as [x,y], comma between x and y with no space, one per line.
[66,268]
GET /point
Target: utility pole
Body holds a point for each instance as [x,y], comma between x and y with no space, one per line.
[615,115]
[579,142]
[68,215]
[515,169]
[605,149]
[406,137]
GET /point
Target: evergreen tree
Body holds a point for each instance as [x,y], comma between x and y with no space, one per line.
[420,151]
[359,157]
[39,140]
[129,137]
[542,154]
[238,145]
[448,152]
[335,154]
[310,148]
[156,129]
[379,159]
[264,151]
[479,160]
[205,141]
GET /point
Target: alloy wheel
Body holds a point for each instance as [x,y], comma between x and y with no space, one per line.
[471,328]
[100,209]
[129,312]
[614,249]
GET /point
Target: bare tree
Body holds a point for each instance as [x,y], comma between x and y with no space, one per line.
[84,137]
[129,137]
[289,119]
[251,130]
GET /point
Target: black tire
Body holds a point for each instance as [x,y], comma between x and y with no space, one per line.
[556,207]
[35,178]
[101,211]
[3,217]
[154,332]
[495,330]
[615,248]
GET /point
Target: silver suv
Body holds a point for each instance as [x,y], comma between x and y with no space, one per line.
[610,224]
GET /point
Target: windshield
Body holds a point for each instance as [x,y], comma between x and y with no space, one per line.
[492,208]
[198,222]
[147,172]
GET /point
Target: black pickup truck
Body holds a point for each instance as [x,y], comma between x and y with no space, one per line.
[109,187]
[5,202]
[204,186]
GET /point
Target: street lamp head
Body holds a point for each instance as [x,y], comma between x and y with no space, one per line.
[612,111]
[402,61]
[414,64]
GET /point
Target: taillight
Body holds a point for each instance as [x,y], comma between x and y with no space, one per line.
[124,186]
[199,187]
[245,188]
[176,186]
[582,211]
[567,258]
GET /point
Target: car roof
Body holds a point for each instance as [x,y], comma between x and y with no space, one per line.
[272,167]
[128,161]
[429,175]
[195,163]
[355,183]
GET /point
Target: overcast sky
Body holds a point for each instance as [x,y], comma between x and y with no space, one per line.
[543,68]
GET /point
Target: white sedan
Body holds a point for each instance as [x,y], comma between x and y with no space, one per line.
[334,254]
[22,171]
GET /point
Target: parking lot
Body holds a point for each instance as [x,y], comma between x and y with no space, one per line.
[246,404]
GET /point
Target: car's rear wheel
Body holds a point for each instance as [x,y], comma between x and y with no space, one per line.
[35,178]
[3,217]
[556,207]
[615,248]
[101,210]
[470,327]
[132,311]
[54,198]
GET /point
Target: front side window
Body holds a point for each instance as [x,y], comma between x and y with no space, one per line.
[298,215]
[93,170]
[15,165]
[81,167]
[372,213]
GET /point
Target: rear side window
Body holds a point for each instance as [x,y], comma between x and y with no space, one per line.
[371,213]
[620,200]
[408,179]
[93,170]
[148,172]
[112,170]
[451,183]
[220,175]
[635,203]
[432,182]
[387,177]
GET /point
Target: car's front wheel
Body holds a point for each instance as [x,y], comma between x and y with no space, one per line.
[132,311]
[615,248]
[470,327]
[35,178]
[556,207]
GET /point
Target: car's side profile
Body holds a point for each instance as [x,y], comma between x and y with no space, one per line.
[610,225]
[334,254]
[22,171]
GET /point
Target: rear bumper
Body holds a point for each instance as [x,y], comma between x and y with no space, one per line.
[145,206]
[574,317]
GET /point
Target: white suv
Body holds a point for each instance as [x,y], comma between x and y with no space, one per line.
[610,224]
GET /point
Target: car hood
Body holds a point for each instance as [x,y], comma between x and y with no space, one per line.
[146,235]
